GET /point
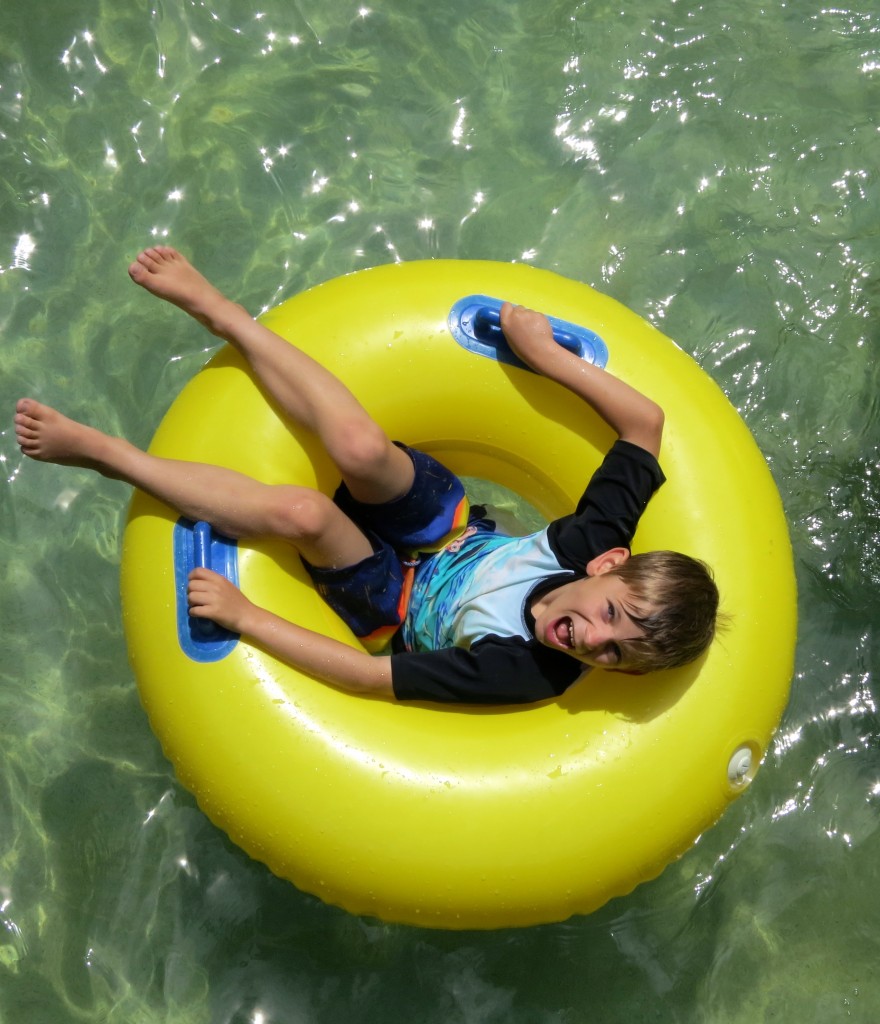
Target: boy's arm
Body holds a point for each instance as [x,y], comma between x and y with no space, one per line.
[212,596]
[631,414]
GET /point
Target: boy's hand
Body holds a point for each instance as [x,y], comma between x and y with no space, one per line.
[212,596]
[528,333]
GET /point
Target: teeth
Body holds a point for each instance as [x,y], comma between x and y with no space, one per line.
[570,633]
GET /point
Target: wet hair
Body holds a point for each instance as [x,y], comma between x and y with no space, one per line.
[675,601]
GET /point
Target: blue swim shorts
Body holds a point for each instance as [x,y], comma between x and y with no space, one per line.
[372,596]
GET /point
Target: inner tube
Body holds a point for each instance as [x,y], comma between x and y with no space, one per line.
[465,816]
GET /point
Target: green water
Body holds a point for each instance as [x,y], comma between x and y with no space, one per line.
[712,166]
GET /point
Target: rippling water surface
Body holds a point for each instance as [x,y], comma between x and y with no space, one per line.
[712,166]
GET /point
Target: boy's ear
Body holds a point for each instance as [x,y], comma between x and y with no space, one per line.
[607,561]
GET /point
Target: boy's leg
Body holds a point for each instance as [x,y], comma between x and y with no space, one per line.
[374,469]
[233,503]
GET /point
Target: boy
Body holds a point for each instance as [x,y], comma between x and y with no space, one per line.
[490,619]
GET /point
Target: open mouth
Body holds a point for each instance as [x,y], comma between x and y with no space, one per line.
[562,632]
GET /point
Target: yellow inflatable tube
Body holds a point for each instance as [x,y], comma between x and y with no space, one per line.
[468,817]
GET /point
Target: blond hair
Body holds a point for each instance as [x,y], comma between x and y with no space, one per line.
[676,603]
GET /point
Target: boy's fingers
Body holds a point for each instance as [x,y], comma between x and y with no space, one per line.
[204,575]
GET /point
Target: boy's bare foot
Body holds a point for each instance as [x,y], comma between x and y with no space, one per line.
[45,434]
[162,271]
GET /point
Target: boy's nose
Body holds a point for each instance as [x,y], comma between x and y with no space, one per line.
[596,637]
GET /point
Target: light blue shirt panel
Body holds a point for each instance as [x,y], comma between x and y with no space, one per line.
[475,589]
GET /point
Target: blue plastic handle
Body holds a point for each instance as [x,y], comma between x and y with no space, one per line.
[196,546]
[202,545]
[488,319]
[475,323]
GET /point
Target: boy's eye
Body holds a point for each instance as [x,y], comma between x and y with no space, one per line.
[610,610]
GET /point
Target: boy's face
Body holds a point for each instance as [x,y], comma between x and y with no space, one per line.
[589,619]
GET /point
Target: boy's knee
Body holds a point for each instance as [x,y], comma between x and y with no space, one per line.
[300,514]
[364,448]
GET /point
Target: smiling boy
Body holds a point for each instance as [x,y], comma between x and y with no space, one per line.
[473,616]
